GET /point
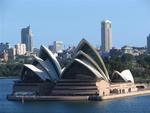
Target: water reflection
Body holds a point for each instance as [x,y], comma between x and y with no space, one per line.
[125,105]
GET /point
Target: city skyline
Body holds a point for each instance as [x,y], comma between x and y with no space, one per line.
[70,21]
[109,41]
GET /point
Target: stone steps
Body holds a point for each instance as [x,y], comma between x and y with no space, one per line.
[75,84]
[75,87]
[76,80]
[74,93]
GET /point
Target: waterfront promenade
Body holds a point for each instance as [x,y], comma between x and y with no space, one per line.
[77,98]
[136,93]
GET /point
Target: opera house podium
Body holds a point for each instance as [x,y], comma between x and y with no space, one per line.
[86,75]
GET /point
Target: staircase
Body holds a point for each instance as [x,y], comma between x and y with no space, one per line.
[74,87]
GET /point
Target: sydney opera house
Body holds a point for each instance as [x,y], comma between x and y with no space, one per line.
[85,75]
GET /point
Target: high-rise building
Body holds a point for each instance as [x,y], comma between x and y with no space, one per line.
[58,46]
[20,49]
[12,53]
[4,47]
[26,38]
[106,36]
[148,43]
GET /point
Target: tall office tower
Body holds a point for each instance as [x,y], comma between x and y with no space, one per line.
[26,38]
[58,46]
[20,49]
[148,43]
[106,36]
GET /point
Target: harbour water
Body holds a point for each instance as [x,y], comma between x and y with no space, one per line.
[139,104]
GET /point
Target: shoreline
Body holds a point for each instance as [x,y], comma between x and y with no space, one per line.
[77,98]
[137,93]
[10,77]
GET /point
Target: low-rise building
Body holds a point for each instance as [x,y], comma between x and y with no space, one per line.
[20,49]
[4,47]
[127,49]
[4,56]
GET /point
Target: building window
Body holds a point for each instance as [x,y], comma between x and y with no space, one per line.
[123,91]
[129,90]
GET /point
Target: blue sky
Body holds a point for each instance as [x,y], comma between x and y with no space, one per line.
[72,20]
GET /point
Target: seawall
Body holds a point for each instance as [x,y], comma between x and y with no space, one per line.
[76,98]
[137,93]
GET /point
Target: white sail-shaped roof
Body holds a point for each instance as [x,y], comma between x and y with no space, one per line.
[85,55]
[93,70]
[46,54]
[126,75]
[89,61]
[91,51]
[46,64]
[48,67]
[41,74]
[76,67]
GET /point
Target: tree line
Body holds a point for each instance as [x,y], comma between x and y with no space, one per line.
[138,65]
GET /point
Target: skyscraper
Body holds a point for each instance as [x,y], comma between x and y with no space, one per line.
[148,43]
[106,36]
[26,38]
